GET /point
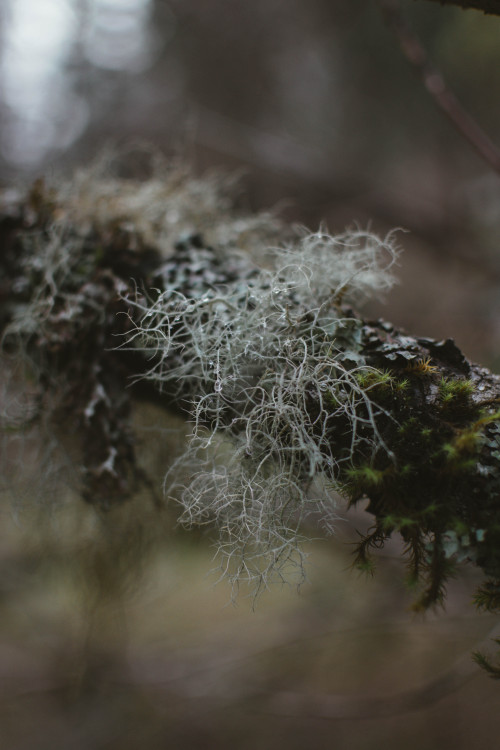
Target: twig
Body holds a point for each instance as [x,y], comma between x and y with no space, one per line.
[437,87]
[487,6]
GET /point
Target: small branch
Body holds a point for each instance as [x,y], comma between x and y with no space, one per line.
[437,87]
[487,6]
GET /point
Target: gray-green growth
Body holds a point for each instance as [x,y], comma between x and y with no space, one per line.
[252,355]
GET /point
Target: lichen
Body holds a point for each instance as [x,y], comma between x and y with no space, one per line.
[271,362]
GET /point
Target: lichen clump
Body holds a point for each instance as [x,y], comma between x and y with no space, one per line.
[253,355]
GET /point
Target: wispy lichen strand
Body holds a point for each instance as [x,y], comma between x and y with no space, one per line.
[252,355]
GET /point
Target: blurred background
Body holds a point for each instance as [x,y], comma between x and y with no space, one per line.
[315,106]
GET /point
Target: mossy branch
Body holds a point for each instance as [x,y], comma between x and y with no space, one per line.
[290,391]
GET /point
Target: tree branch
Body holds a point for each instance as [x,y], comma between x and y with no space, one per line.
[271,359]
[487,6]
[437,87]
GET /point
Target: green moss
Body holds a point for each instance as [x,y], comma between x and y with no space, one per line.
[454,398]
[421,367]
[487,596]
[425,486]
[450,389]
[365,565]
[401,386]
[397,522]
[375,379]
[489,418]
[365,477]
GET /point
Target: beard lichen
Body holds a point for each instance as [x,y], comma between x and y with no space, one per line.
[269,363]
